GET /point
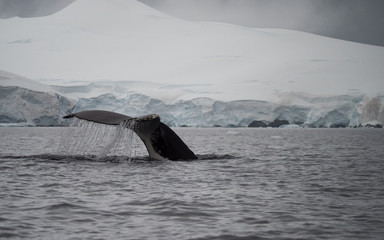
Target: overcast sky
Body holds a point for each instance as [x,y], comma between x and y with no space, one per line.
[354,20]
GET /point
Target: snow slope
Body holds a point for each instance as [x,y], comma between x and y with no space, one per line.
[119,40]
[10,79]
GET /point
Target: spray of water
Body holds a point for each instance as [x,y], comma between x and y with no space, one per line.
[101,142]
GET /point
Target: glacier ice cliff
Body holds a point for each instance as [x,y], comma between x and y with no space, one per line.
[29,103]
[305,111]
[25,107]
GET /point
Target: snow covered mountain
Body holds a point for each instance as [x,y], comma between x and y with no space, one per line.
[121,40]
[127,57]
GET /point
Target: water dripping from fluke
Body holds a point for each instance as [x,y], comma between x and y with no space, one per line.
[100,142]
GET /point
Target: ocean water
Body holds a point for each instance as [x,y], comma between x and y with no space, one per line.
[247,184]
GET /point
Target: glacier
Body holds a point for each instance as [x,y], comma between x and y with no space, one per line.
[21,105]
[26,102]
[318,112]
[126,57]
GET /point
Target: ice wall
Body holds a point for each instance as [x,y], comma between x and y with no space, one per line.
[333,111]
[26,107]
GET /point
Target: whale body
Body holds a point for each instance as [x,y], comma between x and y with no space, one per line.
[162,142]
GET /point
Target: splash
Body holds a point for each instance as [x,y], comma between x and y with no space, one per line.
[103,142]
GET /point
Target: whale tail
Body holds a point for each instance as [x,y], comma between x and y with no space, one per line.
[161,141]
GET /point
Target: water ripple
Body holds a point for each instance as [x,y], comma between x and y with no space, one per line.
[299,184]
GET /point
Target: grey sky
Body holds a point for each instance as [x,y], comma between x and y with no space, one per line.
[354,20]
[31,8]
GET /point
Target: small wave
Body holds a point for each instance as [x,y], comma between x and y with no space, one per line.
[8,235]
[70,158]
[115,159]
[228,236]
[63,205]
[216,157]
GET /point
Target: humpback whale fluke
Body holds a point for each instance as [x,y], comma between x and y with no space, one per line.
[161,141]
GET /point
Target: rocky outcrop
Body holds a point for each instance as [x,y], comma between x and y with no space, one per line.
[277,123]
[258,124]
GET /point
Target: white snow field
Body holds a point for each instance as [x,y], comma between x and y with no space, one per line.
[146,51]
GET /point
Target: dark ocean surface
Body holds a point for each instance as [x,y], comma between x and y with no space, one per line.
[247,184]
